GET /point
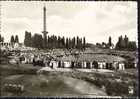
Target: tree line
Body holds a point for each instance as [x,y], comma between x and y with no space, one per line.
[38,41]
[14,39]
[122,44]
[125,44]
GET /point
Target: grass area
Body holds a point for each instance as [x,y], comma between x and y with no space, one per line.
[36,84]
[12,69]
[54,85]
[109,80]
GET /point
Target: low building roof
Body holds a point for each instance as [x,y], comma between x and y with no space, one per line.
[67,58]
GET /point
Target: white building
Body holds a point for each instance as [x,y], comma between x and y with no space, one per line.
[53,64]
[121,66]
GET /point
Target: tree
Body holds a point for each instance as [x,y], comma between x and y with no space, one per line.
[132,46]
[109,41]
[70,43]
[67,43]
[40,40]
[37,41]
[73,42]
[120,44]
[63,42]
[12,39]
[16,39]
[59,42]
[1,38]
[109,44]
[126,41]
[125,44]
[84,43]
[53,41]
[28,39]
[80,43]
[77,42]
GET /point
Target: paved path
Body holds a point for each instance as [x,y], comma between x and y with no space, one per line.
[85,88]
[70,70]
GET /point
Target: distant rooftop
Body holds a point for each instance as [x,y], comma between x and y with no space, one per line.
[93,57]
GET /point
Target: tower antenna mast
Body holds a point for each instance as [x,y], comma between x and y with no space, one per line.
[44,26]
[44,20]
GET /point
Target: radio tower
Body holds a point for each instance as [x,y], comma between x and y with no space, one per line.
[44,26]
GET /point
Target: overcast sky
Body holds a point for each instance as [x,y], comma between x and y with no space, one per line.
[95,20]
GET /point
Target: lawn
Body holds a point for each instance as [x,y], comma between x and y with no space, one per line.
[36,85]
[55,85]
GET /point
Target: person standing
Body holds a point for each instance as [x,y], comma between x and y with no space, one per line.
[17,61]
[34,61]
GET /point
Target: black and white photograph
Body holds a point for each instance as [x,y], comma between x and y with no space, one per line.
[69,49]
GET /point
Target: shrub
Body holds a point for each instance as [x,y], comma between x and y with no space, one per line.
[118,89]
[43,84]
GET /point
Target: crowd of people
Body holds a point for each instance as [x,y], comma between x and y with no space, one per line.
[35,58]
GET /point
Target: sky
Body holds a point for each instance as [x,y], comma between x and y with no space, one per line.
[96,20]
